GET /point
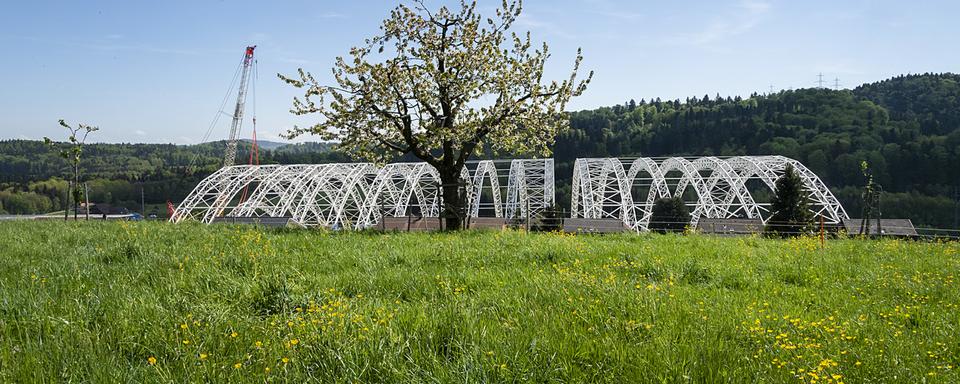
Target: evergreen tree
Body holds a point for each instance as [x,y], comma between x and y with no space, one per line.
[790,214]
[669,215]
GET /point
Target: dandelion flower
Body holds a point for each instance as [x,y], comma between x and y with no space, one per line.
[238,365]
[233,334]
[152,360]
[203,356]
[285,360]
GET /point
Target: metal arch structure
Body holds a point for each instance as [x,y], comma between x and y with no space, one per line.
[531,188]
[393,189]
[603,189]
[358,195]
[825,203]
[333,197]
[329,195]
[485,170]
[659,188]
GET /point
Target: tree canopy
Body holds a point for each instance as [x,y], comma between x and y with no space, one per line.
[437,85]
[442,86]
[790,213]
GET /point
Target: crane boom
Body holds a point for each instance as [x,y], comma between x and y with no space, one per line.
[230,155]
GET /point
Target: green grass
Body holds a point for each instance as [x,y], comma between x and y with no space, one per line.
[98,302]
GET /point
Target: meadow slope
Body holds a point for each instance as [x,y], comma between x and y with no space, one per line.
[147,302]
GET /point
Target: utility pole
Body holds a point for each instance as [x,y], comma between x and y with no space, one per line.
[771,89]
[86,198]
[820,80]
[956,207]
[836,84]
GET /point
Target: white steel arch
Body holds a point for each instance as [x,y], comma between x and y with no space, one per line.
[658,188]
[310,194]
[486,169]
[357,195]
[334,197]
[531,188]
[393,189]
[601,190]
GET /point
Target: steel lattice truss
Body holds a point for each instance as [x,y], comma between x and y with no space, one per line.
[358,195]
[714,187]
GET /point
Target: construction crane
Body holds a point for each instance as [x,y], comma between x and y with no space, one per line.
[229,157]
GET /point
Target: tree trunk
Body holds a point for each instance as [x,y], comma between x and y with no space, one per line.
[454,202]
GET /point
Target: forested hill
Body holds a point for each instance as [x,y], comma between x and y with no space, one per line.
[31,174]
[30,160]
[907,128]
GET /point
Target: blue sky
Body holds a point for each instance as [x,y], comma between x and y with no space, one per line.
[157,71]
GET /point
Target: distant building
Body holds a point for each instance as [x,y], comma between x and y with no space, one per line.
[105,209]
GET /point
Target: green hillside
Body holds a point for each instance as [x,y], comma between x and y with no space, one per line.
[31,175]
[907,128]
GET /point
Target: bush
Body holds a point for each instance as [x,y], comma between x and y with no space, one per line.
[669,215]
[791,217]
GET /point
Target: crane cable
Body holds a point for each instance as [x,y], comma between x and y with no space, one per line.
[216,117]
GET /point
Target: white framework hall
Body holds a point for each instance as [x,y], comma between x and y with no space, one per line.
[358,195]
[713,187]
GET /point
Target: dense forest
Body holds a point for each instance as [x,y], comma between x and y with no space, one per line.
[907,128]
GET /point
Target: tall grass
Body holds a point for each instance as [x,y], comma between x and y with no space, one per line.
[146,302]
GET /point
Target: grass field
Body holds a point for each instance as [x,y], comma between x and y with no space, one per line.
[146,302]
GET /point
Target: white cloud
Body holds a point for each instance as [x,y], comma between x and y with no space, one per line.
[140,132]
[746,15]
[526,21]
[332,15]
[292,60]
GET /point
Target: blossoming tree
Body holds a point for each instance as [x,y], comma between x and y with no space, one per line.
[442,86]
